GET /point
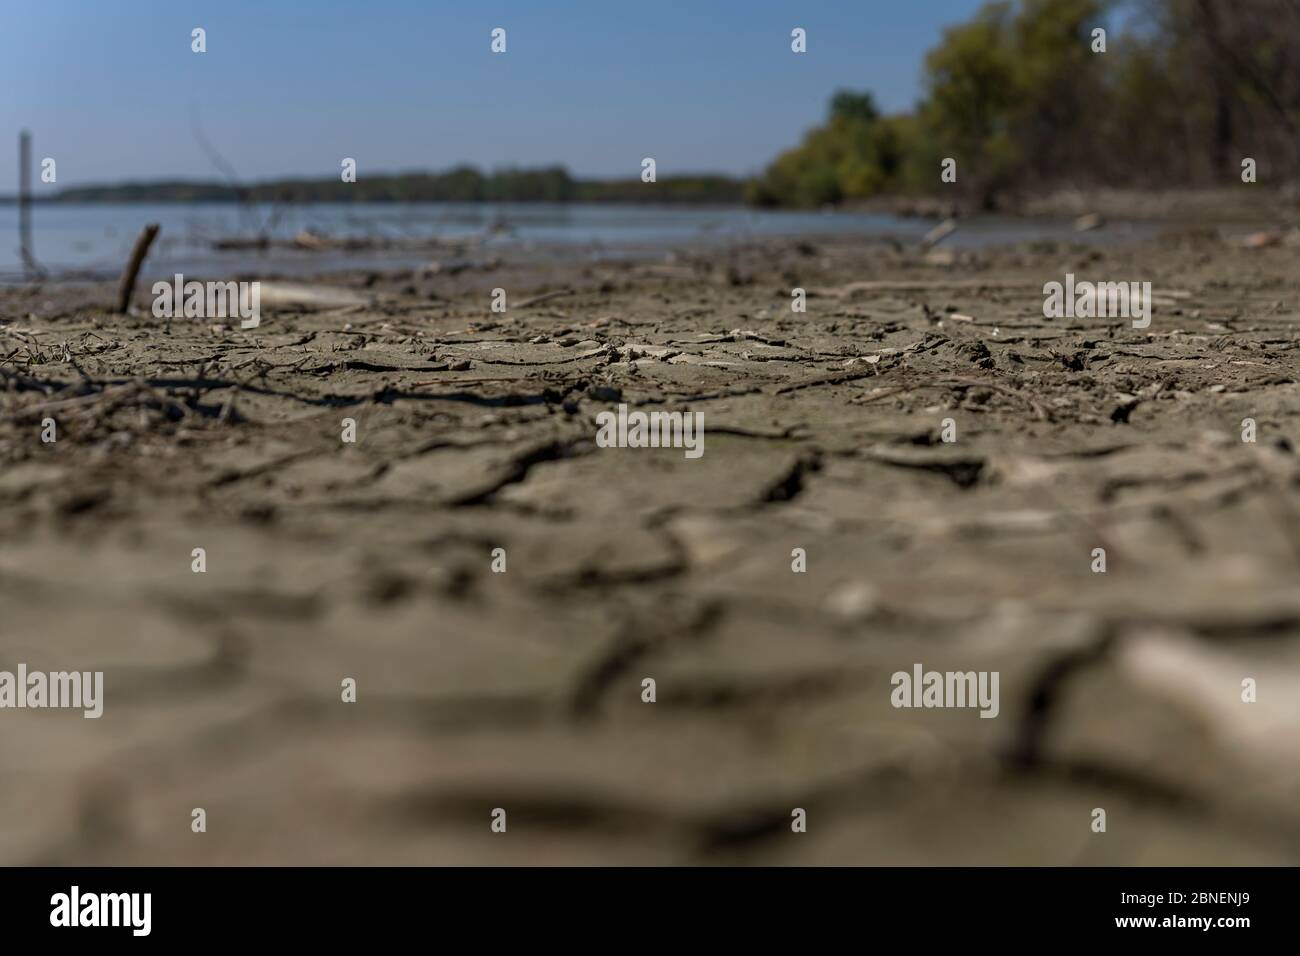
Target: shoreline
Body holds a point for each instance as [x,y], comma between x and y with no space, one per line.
[309,254]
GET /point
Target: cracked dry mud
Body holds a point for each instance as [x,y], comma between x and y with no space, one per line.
[522,690]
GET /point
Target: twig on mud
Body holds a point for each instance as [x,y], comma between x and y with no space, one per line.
[919,285]
[462,381]
[67,357]
[227,407]
[545,297]
[1039,412]
[839,379]
[165,401]
[17,381]
[886,393]
[347,310]
[74,401]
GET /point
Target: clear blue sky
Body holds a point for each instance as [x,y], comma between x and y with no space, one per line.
[110,88]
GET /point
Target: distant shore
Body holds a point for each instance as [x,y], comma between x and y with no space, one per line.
[1241,204]
[462,184]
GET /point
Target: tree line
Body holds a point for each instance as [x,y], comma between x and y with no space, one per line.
[462,184]
[1028,97]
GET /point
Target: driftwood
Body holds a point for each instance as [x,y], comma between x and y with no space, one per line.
[132,269]
[938,233]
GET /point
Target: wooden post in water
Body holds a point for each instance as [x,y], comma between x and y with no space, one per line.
[30,268]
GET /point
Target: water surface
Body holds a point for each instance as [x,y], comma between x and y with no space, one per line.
[97,237]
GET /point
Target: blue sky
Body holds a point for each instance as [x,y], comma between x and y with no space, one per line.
[111,90]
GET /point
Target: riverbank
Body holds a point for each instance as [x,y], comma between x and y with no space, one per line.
[92,240]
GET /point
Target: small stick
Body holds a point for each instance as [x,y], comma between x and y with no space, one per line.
[886,393]
[461,381]
[544,297]
[1039,412]
[132,269]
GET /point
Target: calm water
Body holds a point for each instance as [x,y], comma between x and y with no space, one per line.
[98,237]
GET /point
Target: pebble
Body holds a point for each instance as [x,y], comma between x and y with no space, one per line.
[854,601]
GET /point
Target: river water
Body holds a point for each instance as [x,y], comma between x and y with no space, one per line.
[97,237]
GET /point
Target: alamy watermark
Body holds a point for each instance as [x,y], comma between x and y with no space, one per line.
[75,908]
[55,689]
[209,300]
[651,430]
[1086,300]
[922,688]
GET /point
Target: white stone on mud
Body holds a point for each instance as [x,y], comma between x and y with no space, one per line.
[854,601]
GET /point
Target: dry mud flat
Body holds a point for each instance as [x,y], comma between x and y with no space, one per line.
[523,690]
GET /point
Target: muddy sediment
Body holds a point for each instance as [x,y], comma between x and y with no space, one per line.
[824,431]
